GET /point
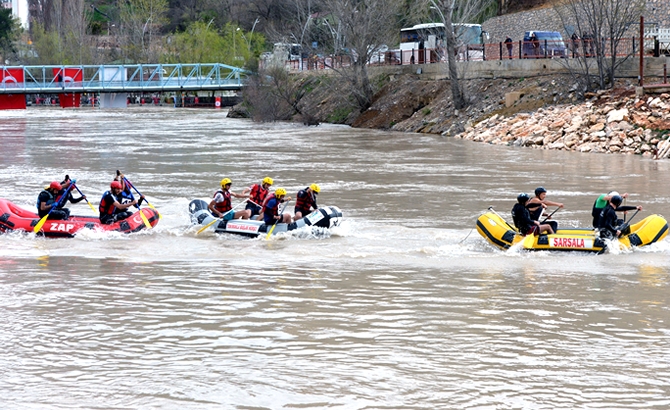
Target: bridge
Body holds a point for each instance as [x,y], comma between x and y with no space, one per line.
[123,78]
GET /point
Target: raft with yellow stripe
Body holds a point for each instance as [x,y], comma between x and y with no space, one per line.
[500,233]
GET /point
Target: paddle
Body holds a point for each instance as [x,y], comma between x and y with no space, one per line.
[80,193]
[277,220]
[545,219]
[219,218]
[144,217]
[139,193]
[627,224]
[624,214]
[41,222]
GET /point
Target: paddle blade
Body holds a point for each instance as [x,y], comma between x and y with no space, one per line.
[529,241]
[270,232]
[152,207]
[40,224]
[91,205]
[144,218]
[206,226]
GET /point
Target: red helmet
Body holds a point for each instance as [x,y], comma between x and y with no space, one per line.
[55,185]
[116,185]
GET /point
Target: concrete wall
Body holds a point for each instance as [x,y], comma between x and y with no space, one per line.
[653,67]
[515,25]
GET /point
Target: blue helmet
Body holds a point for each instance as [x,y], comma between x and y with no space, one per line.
[539,190]
[616,200]
[523,198]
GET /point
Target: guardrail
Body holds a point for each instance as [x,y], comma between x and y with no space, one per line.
[569,48]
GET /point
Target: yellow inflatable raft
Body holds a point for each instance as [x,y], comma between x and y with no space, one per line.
[498,232]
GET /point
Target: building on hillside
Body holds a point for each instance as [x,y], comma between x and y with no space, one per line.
[19,10]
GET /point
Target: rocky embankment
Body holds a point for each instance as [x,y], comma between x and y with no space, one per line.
[608,122]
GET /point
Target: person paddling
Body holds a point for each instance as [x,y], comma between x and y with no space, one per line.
[48,201]
[602,202]
[306,201]
[257,194]
[111,207]
[271,214]
[126,195]
[523,221]
[539,203]
[609,224]
[221,202]
[65,183]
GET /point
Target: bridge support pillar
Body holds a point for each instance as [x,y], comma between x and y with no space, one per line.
[114,100]
[12,77]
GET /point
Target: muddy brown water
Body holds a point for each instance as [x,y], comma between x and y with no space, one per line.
[402,307]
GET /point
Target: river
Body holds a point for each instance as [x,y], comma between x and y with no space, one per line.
[403,306]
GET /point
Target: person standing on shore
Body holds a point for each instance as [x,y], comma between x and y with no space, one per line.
[510,46]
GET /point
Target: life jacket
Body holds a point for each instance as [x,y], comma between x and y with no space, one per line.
[270,211]
[51,198]
[225,205]
[258,194]
[106,206]
[125,196]
[304,200]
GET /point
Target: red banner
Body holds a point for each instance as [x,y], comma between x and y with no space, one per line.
[68,77]
[12,78]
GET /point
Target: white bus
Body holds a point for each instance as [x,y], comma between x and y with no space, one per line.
[425,43]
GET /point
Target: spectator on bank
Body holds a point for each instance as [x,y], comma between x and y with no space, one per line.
[575,44]
[535,42]
[510,46]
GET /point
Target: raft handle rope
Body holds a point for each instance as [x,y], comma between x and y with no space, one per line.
[468,235]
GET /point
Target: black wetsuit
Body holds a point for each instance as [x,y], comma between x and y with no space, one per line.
[522,218]
[58,212]
[609,223]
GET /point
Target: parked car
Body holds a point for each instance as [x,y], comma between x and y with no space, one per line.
[541,44]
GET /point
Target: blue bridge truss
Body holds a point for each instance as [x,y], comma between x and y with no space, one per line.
[52,79]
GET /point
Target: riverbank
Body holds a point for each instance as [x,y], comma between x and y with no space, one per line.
[542,112]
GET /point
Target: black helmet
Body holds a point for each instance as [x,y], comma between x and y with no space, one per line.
[616,200]
[539,190]
[523,198]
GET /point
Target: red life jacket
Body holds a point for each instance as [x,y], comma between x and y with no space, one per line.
[106,206]
[273,210]
[258,194]
[305,200]
[225,205]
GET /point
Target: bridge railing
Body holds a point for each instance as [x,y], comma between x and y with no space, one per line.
[123,77]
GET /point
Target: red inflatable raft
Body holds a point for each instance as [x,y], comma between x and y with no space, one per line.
[15,218]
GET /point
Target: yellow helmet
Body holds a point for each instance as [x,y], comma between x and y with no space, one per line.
[280,192]
[226,181]
[268,180]
[315,188]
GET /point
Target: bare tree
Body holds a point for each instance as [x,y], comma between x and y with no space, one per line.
[274,94]
[141,20]
[456,12]
[365,26]
[65,24]
[600,25]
